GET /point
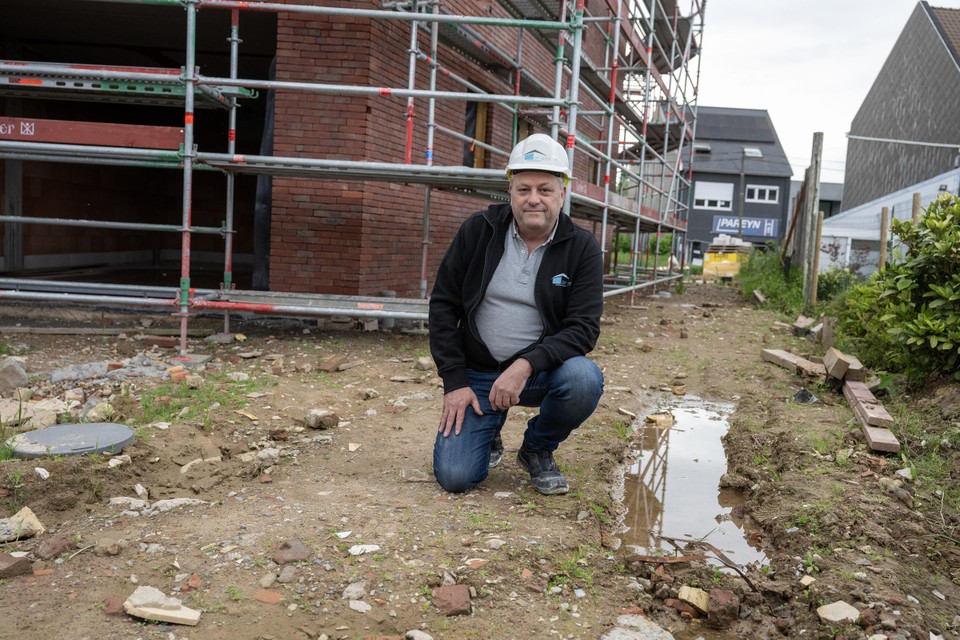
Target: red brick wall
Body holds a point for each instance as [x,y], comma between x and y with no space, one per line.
[364,238]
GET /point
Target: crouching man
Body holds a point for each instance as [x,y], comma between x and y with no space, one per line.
[514,310]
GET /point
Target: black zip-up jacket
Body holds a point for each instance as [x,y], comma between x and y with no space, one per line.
[568,293]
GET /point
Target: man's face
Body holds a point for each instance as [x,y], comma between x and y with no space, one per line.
[536,199]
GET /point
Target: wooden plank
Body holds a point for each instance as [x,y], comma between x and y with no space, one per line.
[92,133]
[881,439]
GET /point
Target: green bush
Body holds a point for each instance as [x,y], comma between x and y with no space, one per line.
[832,283]
[763,271]
[859,328]
[666,242]
[908,317]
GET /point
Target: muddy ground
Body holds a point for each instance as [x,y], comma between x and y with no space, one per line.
[816,501]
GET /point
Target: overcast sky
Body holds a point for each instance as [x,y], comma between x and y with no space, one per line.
[809,63]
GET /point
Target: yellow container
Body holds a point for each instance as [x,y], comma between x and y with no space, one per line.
[722,264]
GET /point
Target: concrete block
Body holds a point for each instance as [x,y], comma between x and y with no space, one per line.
[880,439]
[836,363]
[858,393]
[810,369]
[874,415]
[855,370]
[801,325]
[780,358]
[152,604]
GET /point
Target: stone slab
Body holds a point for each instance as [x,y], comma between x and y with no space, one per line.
[874,415]
[838,612]
[881,439]
[780,358]
[810,369]
[857,392]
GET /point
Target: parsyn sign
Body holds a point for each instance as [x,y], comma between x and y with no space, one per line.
[762,227]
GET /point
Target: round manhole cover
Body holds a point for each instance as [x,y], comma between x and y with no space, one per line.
[71,440]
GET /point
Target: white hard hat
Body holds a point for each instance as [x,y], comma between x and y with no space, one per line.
[539,152]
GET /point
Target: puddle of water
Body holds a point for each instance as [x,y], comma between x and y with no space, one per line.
[672,490]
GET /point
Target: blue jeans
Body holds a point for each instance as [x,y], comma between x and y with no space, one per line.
[566,396]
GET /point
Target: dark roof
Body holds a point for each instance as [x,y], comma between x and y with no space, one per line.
[947,22]
[727,131]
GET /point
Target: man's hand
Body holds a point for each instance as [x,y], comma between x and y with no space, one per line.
[505,392]
[455,406]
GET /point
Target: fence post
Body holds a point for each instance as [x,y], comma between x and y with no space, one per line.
[884,222]
[915,214]
[810,213]
[815,278]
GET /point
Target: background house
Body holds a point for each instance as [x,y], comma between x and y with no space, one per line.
[830,201]
[907,129]
[739,171]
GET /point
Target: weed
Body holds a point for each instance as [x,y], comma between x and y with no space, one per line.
[601,512]
[15,480]
[574,568]
[716,576]
[235,593]
[822,444]
[172,403]
[623,430]
[96,489]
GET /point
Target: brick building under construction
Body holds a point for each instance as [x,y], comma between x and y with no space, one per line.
[199,154]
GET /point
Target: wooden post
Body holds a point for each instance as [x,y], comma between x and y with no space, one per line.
[915,215]
[816,262]
[884,222]
[810,213]
[787,254]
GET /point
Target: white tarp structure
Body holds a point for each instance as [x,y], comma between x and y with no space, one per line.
[852,239]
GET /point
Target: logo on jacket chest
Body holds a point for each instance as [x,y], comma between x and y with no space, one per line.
[561,280]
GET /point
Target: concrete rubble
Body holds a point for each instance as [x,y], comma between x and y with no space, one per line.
[22,524]
[150,603]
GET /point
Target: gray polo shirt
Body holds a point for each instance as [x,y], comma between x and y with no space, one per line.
[507,318]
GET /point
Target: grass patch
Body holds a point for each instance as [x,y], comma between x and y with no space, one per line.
[574,569]
[180,403]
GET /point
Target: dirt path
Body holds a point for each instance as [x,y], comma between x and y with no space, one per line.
[534,566]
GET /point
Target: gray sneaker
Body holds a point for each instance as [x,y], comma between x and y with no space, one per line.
[544,474]
[496,451]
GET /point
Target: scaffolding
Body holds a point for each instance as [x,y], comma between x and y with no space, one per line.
[641,97]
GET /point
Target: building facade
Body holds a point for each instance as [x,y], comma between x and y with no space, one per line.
[741,178]
[907,129]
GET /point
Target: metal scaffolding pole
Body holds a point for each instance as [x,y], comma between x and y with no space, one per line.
[580,99]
